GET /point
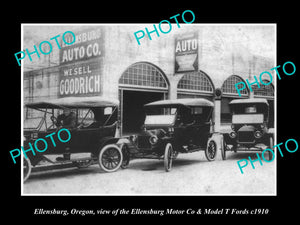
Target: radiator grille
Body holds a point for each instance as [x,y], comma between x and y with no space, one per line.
[246,136]
[143,142]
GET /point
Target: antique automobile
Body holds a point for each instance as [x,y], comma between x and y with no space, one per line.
[249,128]
[172,127]
[92,134]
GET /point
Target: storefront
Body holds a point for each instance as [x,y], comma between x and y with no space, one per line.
[192,62]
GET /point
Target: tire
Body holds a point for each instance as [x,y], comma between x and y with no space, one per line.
[211,150]
[126,156]
[223,150]
[270,155]
[26,168]
[168,157]
[110,158]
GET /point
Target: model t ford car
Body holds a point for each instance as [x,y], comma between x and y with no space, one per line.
[92,123]
[249,128]
[172,127]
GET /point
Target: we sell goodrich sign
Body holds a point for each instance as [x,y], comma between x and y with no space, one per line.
[81,64]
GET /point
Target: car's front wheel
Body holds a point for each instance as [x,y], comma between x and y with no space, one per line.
[168,156]
[223,150]
[110,158]
[126,156]
[211,150]
[270,154]
[26,168]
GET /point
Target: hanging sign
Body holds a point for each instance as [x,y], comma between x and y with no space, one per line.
[186,53]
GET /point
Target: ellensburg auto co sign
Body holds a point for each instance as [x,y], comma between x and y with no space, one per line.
[81,64]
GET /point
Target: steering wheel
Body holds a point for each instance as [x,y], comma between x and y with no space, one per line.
[54,119]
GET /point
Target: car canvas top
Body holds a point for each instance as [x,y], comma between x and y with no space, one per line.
[249,100]
[182,101]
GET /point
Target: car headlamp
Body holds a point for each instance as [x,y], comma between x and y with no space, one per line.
[257,134]
[153,139]
[232,134]
[232,126]
[133,138]
[171,129]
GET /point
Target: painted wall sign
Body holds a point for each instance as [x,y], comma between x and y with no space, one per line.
[80,79]
[89,44]
[186,53]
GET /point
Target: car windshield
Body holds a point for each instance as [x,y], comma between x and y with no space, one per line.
[34,123]
[159,119]
[249,113]
[160,116]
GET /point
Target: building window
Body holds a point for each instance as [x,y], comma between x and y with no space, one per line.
[264,90]
[143,74]
[195,81]
[228,86]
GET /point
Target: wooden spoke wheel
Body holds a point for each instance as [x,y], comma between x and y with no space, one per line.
[126,156]
[26,168]
[168,156]
[110,158]
[211,150]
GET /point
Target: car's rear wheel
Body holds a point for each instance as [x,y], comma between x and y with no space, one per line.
[211,150]
[126,156]
[26,168]
[168,156]
[110,158]
[223,149]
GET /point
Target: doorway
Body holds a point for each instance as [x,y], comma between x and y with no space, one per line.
[132,108]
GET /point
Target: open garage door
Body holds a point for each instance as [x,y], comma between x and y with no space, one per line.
[140,84]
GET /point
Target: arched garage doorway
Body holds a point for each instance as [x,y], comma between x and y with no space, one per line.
[140,84]
[195,85]
[229,93]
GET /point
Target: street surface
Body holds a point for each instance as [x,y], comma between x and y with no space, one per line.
[191,174]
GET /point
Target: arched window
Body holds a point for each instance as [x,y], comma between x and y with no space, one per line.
[195,82]
[144,75]
[264,90]
[228,87]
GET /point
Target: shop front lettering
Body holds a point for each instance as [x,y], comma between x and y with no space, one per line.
[186,45]
[80,79]
[268,150]
[77,71]
[80,85]
[291,71]
[41,48]
[89,44]
[141,34]
[37,145]
[78,53]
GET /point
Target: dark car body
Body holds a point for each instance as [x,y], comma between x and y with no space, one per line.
[184,124]
[95,127]
[249,127]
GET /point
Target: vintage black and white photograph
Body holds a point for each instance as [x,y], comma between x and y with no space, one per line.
[148,109]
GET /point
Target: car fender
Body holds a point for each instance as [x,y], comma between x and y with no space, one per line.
[107,141]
